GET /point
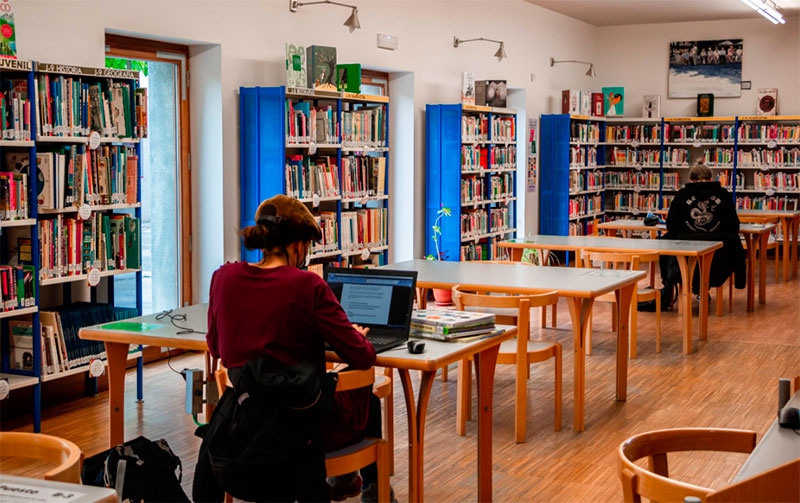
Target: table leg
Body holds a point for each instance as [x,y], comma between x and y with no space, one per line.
[751,270]
[415,412]
[686,265]
[623,297]
[763,243]
[422,298]
[485,363]
[705,273]
[117,354]
[794,229]
[516,254]
[579,311]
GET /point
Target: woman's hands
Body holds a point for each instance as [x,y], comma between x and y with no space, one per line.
[361,330]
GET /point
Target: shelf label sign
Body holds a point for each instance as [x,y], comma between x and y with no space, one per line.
[315,200]
[96,368]
[771,144]
[770,192]
[635,143]
[365,254]
[4,388]
[85,211]
[93,278]
[94,140]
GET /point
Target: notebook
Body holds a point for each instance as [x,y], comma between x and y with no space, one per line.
[380,299]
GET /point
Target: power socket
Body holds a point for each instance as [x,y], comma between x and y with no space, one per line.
[194,390]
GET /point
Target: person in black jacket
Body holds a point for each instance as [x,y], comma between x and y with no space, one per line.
[704,210]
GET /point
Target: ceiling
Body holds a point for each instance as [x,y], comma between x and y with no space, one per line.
[624,12]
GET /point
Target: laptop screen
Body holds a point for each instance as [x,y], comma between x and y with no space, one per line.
[374,297]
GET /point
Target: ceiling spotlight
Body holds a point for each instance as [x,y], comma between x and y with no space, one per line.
[501,51]
[589,73]
[352,21]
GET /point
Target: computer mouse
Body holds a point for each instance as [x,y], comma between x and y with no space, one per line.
[416,347]
[789,418]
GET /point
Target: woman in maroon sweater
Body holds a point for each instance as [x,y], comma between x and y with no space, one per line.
[274,308]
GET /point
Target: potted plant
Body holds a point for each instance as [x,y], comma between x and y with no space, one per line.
[442,297]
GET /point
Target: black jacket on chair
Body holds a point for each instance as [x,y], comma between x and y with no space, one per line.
[705,211]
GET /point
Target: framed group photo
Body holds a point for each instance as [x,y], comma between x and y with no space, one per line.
[705,66]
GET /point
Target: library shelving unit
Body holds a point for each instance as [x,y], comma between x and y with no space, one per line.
[689,139]
[83,222]
[572,179]
[330,150]
[632,166]
[767,162]
[471,168]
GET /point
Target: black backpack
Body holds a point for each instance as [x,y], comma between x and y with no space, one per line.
[141,470]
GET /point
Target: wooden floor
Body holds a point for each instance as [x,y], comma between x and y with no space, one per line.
[729,381]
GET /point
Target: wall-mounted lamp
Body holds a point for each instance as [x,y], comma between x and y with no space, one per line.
[766,8]
[501,51]
[590,72]
[352,21]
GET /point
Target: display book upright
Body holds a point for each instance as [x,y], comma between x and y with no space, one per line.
[572,157]
[48,236]
[330,150]
[471,168]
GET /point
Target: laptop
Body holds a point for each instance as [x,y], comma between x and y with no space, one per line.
[380,299]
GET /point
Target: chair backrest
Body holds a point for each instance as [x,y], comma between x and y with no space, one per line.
[781,483]
[67,455]
[480,297]
[353,379]
[653,482]
[620,261]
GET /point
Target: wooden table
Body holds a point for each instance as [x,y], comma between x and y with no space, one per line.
[148,330]
[30,490]
[756,237]
[687,253]
[579,286]
[777,446]
[438,355]
[790,226]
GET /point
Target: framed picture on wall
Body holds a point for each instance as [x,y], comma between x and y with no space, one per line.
[705,66]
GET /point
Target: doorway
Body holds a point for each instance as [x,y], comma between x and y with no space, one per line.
[165,183]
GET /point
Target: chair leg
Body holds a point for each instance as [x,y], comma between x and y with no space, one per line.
[730,294]
[658,322]
[383,462]
[558,391]
[543,323]
[444,373]
[719,300]
[521,402]
[554,316]
[589,334]
[463,398]
[388,422]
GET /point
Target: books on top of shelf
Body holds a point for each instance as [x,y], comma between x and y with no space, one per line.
[296,65]
[321,61]
[570,102]
[651,106]
[613,101]
[491,93]
[767,101]
[348,77]
[467,88]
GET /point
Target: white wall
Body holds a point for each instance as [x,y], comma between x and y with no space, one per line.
[635,57]
[251,36]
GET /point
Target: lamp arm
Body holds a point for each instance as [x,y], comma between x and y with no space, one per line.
[300,4]
[479,38]
[554,61]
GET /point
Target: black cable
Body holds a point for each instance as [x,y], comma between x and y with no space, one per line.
[177,317]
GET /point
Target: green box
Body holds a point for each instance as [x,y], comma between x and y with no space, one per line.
[348,77]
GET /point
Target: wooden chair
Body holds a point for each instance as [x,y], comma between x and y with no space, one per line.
[66,455]
[654,482]
[520,351]
[356,456]
[773,245]
[781,483]
[629,261]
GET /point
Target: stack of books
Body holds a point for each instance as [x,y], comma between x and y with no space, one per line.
[446,325]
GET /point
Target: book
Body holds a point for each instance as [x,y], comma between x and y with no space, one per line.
[651,106]
[449,318]
[597,104]
[467,88]
[44,169]
[570,102]
[705,105]
[21,343]
[132,243]
[613,101]
[767,101]
[296,75]
[438,336]
[348,77]
[491,93]
[8,35]
[586,103]
[321,67]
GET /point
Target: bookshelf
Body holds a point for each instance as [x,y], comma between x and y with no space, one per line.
[330,150]
[471,168]
[632,167]
[80,128]
[572,179]
[768,162]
